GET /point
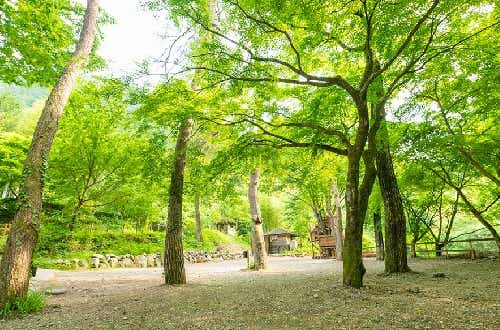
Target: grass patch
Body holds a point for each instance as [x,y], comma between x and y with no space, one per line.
[33,302]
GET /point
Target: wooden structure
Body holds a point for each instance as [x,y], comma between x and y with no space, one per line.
[444,250]
[326,242]
[228,227]
[279,240]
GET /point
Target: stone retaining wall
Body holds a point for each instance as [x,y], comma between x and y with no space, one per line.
[100,261]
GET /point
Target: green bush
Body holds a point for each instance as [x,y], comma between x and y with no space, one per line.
[33,302]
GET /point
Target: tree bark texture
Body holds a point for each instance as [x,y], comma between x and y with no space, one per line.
[356,200]
[197,218]
[395,222]
[413,249]
[339,239]
[15,266]
[379,238]
[174,254]
[258,243]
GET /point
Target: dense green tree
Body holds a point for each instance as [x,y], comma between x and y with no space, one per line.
[96,150]
[16,260]
[37,39]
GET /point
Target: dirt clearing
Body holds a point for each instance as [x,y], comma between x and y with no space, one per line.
[295,293]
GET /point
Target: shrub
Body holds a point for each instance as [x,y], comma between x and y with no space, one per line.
[33,302]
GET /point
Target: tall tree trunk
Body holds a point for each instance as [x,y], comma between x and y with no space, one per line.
[258,243]
[174,254]
[356,206]
[395,222]
[379,238]
[356,197]
[337,221]
[197,218]
[15,266]
[330,216]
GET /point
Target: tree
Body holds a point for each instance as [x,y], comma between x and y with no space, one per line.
[338,220]
[174,256]
[37,39]
[95,152]
[15,265]
[258,243]
[277,43]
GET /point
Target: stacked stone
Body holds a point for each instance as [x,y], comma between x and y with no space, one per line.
[102,261]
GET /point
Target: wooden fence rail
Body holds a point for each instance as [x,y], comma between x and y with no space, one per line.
[444,250]
[444,247]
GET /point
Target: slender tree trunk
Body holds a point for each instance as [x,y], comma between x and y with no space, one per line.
[330,216]
[413,249]
[15,266]
[337,221]
[174,254]
[379,238]
[75,214]
[197,218]
[258,243]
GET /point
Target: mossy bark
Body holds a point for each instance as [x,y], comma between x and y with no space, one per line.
[16,261]
[357,196]
[174,253]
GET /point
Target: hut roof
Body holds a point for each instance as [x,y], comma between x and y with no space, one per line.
[280,231]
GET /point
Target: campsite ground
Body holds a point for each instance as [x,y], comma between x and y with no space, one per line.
[294,293]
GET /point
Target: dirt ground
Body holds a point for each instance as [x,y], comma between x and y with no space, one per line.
[294,293]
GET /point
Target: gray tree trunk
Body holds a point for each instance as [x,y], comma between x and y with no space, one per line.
[15,266]
[174,253]
[338,221]
[197,218]
[258,243]
[379,237]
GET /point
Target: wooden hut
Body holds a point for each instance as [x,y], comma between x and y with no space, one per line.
[227,226]
[279,240]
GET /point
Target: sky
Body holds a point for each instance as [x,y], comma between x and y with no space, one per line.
[134,37]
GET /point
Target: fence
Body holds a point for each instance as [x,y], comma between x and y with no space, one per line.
[443,248]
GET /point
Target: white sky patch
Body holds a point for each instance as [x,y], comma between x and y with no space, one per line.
[133,38]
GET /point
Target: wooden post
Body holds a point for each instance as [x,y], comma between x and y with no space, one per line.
[472,253]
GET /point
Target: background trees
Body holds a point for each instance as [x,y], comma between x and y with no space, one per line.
[328,100]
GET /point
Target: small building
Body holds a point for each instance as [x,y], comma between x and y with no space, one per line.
[226,226]
[280,240]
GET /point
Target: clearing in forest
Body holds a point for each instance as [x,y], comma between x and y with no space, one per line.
[294,293]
